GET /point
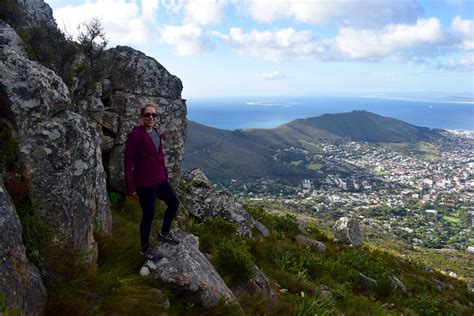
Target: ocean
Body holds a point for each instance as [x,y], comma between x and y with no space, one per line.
[241,113]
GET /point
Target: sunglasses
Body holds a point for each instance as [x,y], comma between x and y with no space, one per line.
[148,114]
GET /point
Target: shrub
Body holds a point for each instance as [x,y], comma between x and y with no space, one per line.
[317,234]
[314,305]
[114,198]
[213,231]
[234,261]
[197,183]
[363,262]
[51,48]
[286,225]
[10,12]
[361,305]
[37,236]
[425,304]
[384,287]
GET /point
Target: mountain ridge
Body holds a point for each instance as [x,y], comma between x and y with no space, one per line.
[249,153]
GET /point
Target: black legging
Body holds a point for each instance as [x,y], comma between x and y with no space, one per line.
[147,197]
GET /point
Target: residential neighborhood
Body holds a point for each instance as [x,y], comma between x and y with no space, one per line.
[422,193]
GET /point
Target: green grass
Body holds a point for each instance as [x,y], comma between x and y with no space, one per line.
[314,166]
[116,288]
[296,163]
[451,219]
[312,147]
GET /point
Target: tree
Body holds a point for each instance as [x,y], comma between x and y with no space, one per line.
[92,41]
[91,70]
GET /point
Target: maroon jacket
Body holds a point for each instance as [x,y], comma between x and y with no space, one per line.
[144,165]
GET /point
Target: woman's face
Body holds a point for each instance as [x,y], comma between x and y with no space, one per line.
[149,117]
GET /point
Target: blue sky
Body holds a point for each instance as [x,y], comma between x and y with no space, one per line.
[222,48]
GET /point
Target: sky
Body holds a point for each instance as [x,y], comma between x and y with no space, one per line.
[230,48]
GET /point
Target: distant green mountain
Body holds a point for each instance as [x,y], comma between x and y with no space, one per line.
[369,127]
[263,153]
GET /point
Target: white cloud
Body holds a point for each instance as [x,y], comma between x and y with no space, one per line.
[394,40]
[465,28]
[275,46]
[465,64]
[274,75]
[121,19]
[149,9]
[186,39]
[173,6]
[204,12]
[342,12]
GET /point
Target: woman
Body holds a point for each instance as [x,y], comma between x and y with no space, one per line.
[146,176]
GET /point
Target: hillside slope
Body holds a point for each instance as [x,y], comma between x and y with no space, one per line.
[250,154]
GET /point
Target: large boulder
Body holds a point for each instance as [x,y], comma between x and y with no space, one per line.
[135,79]
[347,231]
[58,148]
[187,270]
[257,285]
[20,280]
[311,243]
[203,202]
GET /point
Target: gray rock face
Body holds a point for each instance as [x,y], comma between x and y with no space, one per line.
[397,284]
[326,293]
[59,149]
[203,202]
[366,283]
[440,286]
[187,269]
[140,74]
[20,280]
[36,12]
[134,80]
[346,230]
[262,229]
[313,244]
[197,175]
[257,285]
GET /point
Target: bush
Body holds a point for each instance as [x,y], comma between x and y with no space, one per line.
[425,304]
[314,305]
[37,236]
[51,48]
[286,225]
[114,198]
[363,262]
[213,231]
[234,261]
[10,12]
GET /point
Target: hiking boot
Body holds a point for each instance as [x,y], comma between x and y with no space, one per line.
[147,254]
[169,238]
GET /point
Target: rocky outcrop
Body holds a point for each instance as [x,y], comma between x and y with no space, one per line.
[346,231]
[440,286]
[257,285]
[58,148]
[186,269]
[311,243]
[366,283]
[35,13]
[135,79]
[397,284]
[20,280]
[203,202]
